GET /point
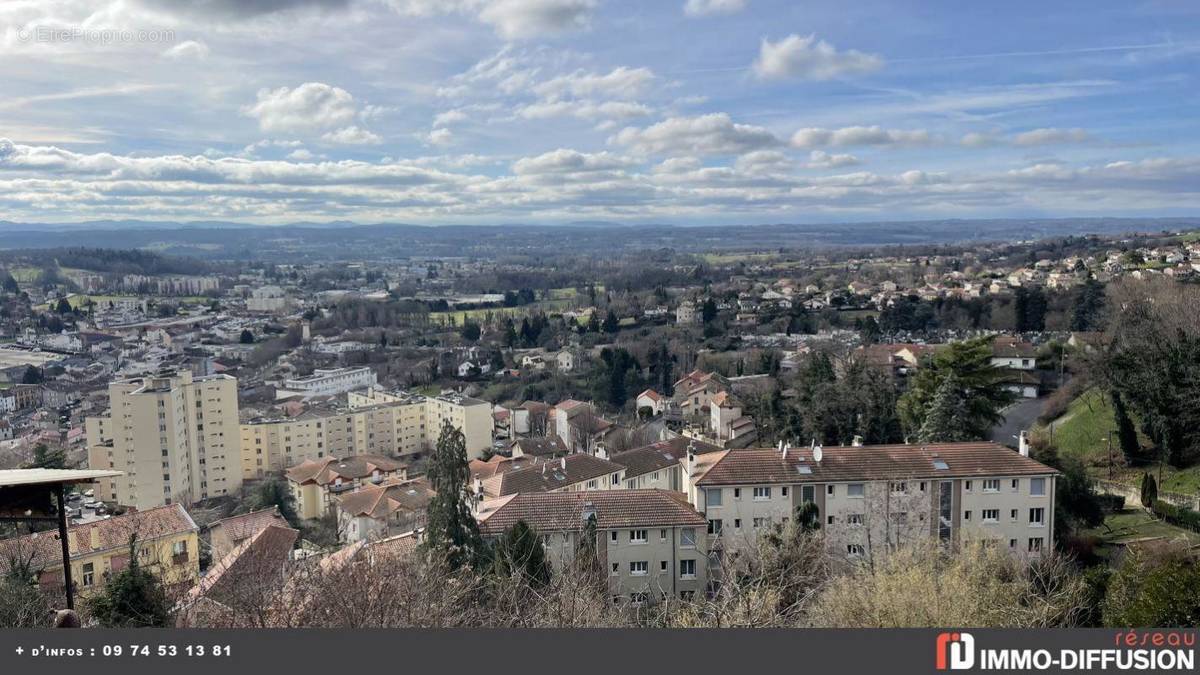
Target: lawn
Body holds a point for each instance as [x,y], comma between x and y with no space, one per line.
[1133,524]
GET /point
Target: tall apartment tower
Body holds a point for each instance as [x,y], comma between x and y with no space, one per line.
[175,437]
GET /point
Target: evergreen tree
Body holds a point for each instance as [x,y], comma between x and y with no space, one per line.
[610,322]
[451,530]
[708,311]
[64,306]
[520,552]
[46,458]
[31,376]
[945,418]
[1089,307]
[133,598]
[1126,433]
[274,492]
[470,331]
[981,383]
[246,338]
[1149,492]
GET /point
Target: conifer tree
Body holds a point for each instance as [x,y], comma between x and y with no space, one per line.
[945,418]
[451,530]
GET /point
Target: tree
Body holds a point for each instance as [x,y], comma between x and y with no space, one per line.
[1029,310]
[610,322]
[275,493]
[31,376]
[133,598]
[247,338]
[1088,314]
[1149,490]
[22,604]
[519,552]
[45,457]
[982,384]
[708,311]
[945,419]
[1151,590]
[470,331]
[451,531]
[1126,433]
[64,306]
[8,284]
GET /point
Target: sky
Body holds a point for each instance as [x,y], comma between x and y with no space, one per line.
[698,112]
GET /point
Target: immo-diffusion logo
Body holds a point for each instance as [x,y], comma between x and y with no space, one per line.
[1133,650]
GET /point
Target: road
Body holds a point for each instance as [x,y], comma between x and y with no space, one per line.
[1019,416]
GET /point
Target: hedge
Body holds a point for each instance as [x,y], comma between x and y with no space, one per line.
[1176,515]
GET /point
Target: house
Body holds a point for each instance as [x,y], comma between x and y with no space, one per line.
[6,431]
[658,465]
[651,542]
[686,313]
[726,421]
[565,361]
[578,425]
[878,496]
[228,533]
[571,473]
[694,391]
[374,512]
[533,361]
[315,484]
[652,400]
[498,464]
[241,581]
[1009,352]
[166,541]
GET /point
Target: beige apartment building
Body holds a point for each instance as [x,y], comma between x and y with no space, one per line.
[174,437]
[651,543]
[373,423]
[873,498]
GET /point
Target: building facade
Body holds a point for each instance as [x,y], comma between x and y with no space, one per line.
[175,438]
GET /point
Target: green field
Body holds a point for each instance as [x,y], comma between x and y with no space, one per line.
[1083,433]
[1132,525]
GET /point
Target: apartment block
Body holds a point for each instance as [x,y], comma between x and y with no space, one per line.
[316,485]
[417,420]
[651,543]
[875,497]
[328,382]
[175,437]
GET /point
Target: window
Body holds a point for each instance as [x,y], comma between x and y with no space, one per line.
[737,523]
[1016,484]
[761,493]
[967,485]
[616,478]
[662,566]
[713,497]
[1037,486]
[1037,517]
[783,491]
[855,550]
[899,488]
[687,596]
[737,493]
[613,536]
[759,522]
[991,485]
[1012,514]
[854,490]
[687,536]
[89,574]
[638,568]
[922,486]
[966,515]
[1012,543]
[714,526]
[829,520]
[687,569]
[854,519]
[638,598]
[829,490]
[991,515]
[616,568]
[1035,544]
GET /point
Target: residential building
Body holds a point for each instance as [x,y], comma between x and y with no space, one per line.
[572,473]
[315,484]
[686,313]
[165,539]
[418,421]
[328,382]
[878,496]
[658,465]
[174,437]
[651,543]
[653,401]
[373,512]
[229,533]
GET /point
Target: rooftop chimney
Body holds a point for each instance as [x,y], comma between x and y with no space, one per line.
[563,463]
[857,442]
[1023,444]
[691,459]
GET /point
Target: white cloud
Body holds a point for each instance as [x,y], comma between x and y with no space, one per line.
[301,155]
[819,159]
[1050,136]
[564,160]
[621,82]
[813,137]
[352,135]
[584,109]
[440,136]
[519,19]
[695,8]
[810,59]
[978,140]
[712,134]
[763,162]
[312,106]
[444,119]
[190,50]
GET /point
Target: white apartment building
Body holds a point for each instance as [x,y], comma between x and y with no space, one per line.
[651,543]
[173,436]
[329,382]
[878,497]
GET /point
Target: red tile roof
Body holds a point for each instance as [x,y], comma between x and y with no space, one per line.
[547,512]
[873,462]
[552,475]
[247,525]
[111,534]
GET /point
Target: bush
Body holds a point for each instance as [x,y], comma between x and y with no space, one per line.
[1176,515]
[1111,503]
